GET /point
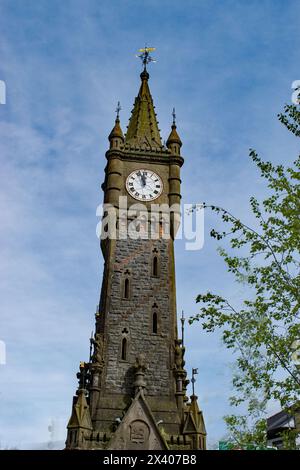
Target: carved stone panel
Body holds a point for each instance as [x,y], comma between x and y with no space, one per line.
[139,432]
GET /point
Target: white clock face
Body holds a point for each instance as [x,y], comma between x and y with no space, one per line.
[144,185]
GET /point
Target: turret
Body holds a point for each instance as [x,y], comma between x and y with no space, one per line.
[116,137]
[174,143]
[114,168]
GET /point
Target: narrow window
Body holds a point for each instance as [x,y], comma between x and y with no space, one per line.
[155,266]
[124,349]
[161,228]
[154,322]
[126,288]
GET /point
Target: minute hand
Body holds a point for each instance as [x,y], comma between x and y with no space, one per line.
[149,186]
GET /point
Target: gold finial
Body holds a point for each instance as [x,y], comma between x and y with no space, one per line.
[145,55]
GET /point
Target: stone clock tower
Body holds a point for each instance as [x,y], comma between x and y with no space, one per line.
[132,391]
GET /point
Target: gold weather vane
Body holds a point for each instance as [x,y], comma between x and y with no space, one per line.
[145,55]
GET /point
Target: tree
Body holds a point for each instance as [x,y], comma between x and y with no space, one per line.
[263,331]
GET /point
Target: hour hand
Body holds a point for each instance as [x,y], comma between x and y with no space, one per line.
[143,178]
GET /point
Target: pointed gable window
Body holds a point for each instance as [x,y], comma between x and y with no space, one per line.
[155,263]
[126,284]
[154,319]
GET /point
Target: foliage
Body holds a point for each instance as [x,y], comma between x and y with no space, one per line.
[244,434]
[263,330]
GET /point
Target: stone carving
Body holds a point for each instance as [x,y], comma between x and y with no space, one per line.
[179,354]
[140,363]
[139,432]
[83,376]
[96,380]
[140,368]
[98,344]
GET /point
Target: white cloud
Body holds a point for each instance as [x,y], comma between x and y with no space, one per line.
[64,74]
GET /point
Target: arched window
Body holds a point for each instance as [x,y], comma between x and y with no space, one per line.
[155,266]
[124,349]
[154,322]
[126,288]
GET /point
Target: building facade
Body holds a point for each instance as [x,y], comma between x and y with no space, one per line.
[132,393]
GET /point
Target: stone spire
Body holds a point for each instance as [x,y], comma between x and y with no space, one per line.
[143,127]
[194,425]
[80,424]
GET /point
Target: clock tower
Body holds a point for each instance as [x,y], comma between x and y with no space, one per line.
[132,393]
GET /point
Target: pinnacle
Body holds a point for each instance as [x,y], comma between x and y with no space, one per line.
[116,131]
[174,137]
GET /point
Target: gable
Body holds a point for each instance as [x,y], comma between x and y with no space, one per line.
[80,414]
[138,429]
[189,425]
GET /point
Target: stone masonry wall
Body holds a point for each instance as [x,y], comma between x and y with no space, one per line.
[132,318]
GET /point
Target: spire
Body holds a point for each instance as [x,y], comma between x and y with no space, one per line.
[80,424]
[116,133]
[143,126]
[174,143]
[194,424]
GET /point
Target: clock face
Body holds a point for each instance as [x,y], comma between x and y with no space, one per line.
[144,185]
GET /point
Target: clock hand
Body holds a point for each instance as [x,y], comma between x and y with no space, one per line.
[143,179]
[149,186]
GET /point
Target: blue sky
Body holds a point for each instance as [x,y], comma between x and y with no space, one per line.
[227,67]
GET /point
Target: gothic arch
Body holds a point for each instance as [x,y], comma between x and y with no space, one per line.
[126,285]
[155,263]
[154,320]
[124,345]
